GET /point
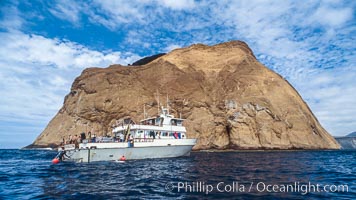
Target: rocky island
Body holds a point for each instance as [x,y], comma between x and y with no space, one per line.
[348,141]
[228,98]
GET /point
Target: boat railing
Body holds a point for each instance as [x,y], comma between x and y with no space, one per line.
[159,125]
[143,139]
[69,146]
[113,140]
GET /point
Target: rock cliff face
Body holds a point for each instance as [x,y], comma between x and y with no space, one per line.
[228,98]
[347,142]
[353,134]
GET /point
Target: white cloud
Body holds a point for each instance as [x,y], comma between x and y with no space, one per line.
[12,20]
[331,95]
[178,5]
[67,10]
[44,52]
[114,14]
[332,17]
[171,47]
[37,72]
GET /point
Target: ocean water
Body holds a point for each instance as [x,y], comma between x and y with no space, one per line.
[29,174]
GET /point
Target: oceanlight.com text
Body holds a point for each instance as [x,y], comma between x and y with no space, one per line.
[252,187]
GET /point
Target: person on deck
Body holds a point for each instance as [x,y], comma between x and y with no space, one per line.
[75,141]
[69,141]
[93,138]
[63,141]
[99,139]
[121,136]
[159,134]
[82,137]
[89,136]
[62,154]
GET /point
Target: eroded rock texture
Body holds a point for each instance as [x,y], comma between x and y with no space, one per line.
[230,100]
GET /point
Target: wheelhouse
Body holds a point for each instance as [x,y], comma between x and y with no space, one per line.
[164,126]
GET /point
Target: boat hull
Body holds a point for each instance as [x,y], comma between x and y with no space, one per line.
[112,153]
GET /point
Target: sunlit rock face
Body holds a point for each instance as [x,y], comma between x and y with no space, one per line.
[228,98]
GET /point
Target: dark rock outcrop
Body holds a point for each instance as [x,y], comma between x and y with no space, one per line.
[147,59]
[353,134]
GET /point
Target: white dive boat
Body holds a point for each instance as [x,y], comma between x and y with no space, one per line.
[158,137]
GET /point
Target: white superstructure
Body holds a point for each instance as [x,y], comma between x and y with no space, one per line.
[155,137]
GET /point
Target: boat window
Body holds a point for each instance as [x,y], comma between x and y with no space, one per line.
[127,121]
[157,121]
[164,134]
[132,132]
[179,122]
[118,133]
[170,134]
[139,133]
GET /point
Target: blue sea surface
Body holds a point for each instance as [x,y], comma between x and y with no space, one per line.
[29,174]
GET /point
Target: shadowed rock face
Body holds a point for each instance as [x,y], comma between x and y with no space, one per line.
[347,142]
[353,134]
[228,98]
[147,59]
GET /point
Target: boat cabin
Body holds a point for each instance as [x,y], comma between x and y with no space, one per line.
[164,126]
[164,119]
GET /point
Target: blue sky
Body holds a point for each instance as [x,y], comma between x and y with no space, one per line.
[44,45]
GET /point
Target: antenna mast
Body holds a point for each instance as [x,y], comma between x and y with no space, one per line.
[167,105]
[157,99]
[144,111]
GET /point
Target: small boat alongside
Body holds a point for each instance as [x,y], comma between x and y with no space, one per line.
[163,136]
